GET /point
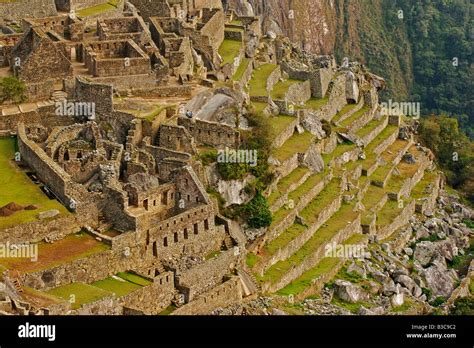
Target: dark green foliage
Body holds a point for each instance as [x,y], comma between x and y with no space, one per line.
[438,301]
[463,306]
[232,171]
[12,89]
[454,151]
[427,292]
[257,212]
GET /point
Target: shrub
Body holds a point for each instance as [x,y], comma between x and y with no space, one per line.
[257,212]
[12,89]
[438,301]
[463,306]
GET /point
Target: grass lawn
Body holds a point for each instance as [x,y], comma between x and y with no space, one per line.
[348,121]
[345,110]
[97,9]
[79,294]
[134,278]
[298,143]
[311,212]
[39,298]
[168,310]
[336,223]
[244,64]
[258,83]
[285,183]
[372,197]
[315,104]
[118,287]
[369,127]
[70,248]
[420,189]
[229,50]
[312,181]
[251,260]
[281,87]
[389,212]
[279,124]
[284,238]
[15,186]
[323,267]
[386,133]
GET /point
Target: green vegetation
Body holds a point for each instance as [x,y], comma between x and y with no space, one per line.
[12,89]
[244,64]
[454,152]
[97,9]
[257,212]
[356,115]
[438,301]
[118,287]
[133,278]
[463,306]
[281,88]
[251,260]
[285,183]
[298,143]
[279,124]
[258,83]
[229,50]
[369,127]
[336,223]
[15,186]
[79,294]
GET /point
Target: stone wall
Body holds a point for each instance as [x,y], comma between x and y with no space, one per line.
[314,258]
[222,296]
[281,138]
[366,140]
[99,94]
[401,220]
[205,276]
[149,8]
[211,133]
[295,244]
[152,299]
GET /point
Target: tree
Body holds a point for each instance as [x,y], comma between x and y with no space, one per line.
[12,89]
[257,212]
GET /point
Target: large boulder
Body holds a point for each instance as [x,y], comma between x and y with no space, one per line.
[424,252]
[349,292]
[440,280]
[313,124]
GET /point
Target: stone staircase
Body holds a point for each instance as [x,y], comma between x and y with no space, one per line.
[58,96]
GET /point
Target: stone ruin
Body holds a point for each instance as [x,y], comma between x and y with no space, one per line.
[169,81]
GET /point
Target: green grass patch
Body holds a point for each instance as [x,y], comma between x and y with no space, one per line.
[79,294]
[281,88]
[284,238]
[336,223]
[347,122]
[118,287]
[285,183]
[344,110]
[15,186]
[258,83]
[315,103]
[229,50]
[251,260]
[389,212]
[330,193]
[298,143]
[98,9]
[369,127]
[244,64]
[134,278]
[168,310]
[279,124]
